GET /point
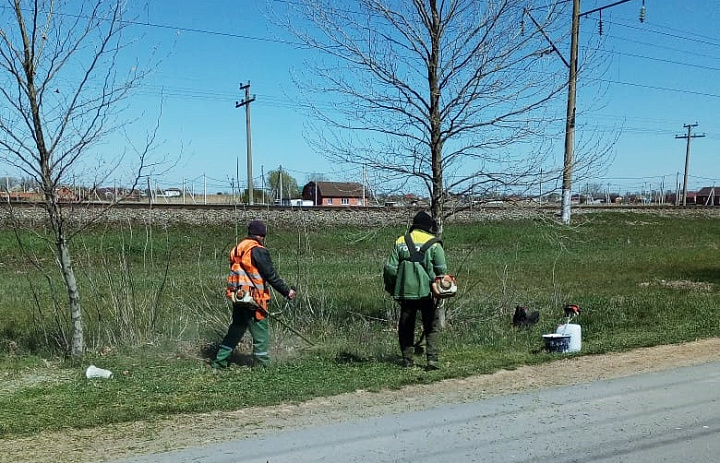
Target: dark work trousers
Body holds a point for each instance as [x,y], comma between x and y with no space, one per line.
[243,318]
[406,327]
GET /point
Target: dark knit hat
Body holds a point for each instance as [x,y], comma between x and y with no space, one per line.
[423,221]
[257,228]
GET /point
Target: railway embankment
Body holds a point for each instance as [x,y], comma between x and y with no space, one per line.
[34,215]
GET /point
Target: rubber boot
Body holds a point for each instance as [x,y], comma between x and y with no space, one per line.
[407,357]
[222,359]
[432,365]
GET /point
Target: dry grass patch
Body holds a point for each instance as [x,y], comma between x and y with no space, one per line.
[680,284]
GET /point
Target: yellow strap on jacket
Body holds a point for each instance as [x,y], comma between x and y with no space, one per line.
[244,275]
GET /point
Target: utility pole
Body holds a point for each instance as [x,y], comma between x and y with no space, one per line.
[262,176]
[570,114]
[689,136]
[280,186]
[150,192]
[571,100]
[246,102]
[363,186]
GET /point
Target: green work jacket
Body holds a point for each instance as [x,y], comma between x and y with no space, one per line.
[405,279]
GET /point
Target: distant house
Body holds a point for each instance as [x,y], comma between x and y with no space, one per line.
[692,197]
[20,196]
[63,193]
[293,202]
[171,193]
[336,194]
[66,194]
[708,196]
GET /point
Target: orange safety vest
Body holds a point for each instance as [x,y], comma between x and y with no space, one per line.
[244,275]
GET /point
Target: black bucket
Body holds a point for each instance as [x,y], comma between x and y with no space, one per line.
[556,342]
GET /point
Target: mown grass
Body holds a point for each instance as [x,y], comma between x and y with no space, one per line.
[154,310]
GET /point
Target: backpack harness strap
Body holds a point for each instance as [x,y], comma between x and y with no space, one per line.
[419,255]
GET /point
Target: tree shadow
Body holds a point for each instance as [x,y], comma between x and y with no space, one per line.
[709,275]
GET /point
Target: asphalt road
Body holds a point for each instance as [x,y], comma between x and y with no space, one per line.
[667,416]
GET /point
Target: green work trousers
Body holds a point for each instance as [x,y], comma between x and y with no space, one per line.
[244,318]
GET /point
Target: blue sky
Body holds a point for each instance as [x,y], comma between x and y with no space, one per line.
[660,75]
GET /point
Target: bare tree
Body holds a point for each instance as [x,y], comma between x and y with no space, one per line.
[453,93]
[316,177]
[62,90]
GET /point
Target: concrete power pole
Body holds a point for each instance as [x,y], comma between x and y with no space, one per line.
[688,137]
[364,182]
[571,98]
[570,115]
[246,102]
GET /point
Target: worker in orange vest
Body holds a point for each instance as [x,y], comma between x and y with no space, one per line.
[248,287]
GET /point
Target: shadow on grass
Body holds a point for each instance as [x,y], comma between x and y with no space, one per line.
[708,274]
[210,350]
[350,358]
[394,360]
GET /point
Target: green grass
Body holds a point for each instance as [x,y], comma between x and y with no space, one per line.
[154,309]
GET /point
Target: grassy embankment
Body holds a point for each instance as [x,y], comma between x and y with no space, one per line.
[154,307]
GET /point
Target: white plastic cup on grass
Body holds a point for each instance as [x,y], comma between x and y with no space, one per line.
[95,372]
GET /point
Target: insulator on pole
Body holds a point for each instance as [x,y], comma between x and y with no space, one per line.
[642,12]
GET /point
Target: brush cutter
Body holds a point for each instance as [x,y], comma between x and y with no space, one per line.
[277,317]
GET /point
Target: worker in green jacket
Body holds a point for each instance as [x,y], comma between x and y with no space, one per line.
[416,259]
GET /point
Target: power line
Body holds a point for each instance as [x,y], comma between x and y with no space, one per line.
[656,45]
[655,87]
[712,41]
[188,29]
[664,60]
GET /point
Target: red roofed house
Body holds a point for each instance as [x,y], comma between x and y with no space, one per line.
[336,194]
[707,196]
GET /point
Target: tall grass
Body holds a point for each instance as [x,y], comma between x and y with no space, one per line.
[154,305]
[141,285]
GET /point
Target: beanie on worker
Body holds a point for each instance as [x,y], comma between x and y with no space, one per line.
[423,221]
[257,228]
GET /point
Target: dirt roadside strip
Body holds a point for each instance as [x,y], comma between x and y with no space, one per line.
[181,431]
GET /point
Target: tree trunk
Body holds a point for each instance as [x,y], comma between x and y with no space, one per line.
[436,143]
[436,146]
[77,346]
